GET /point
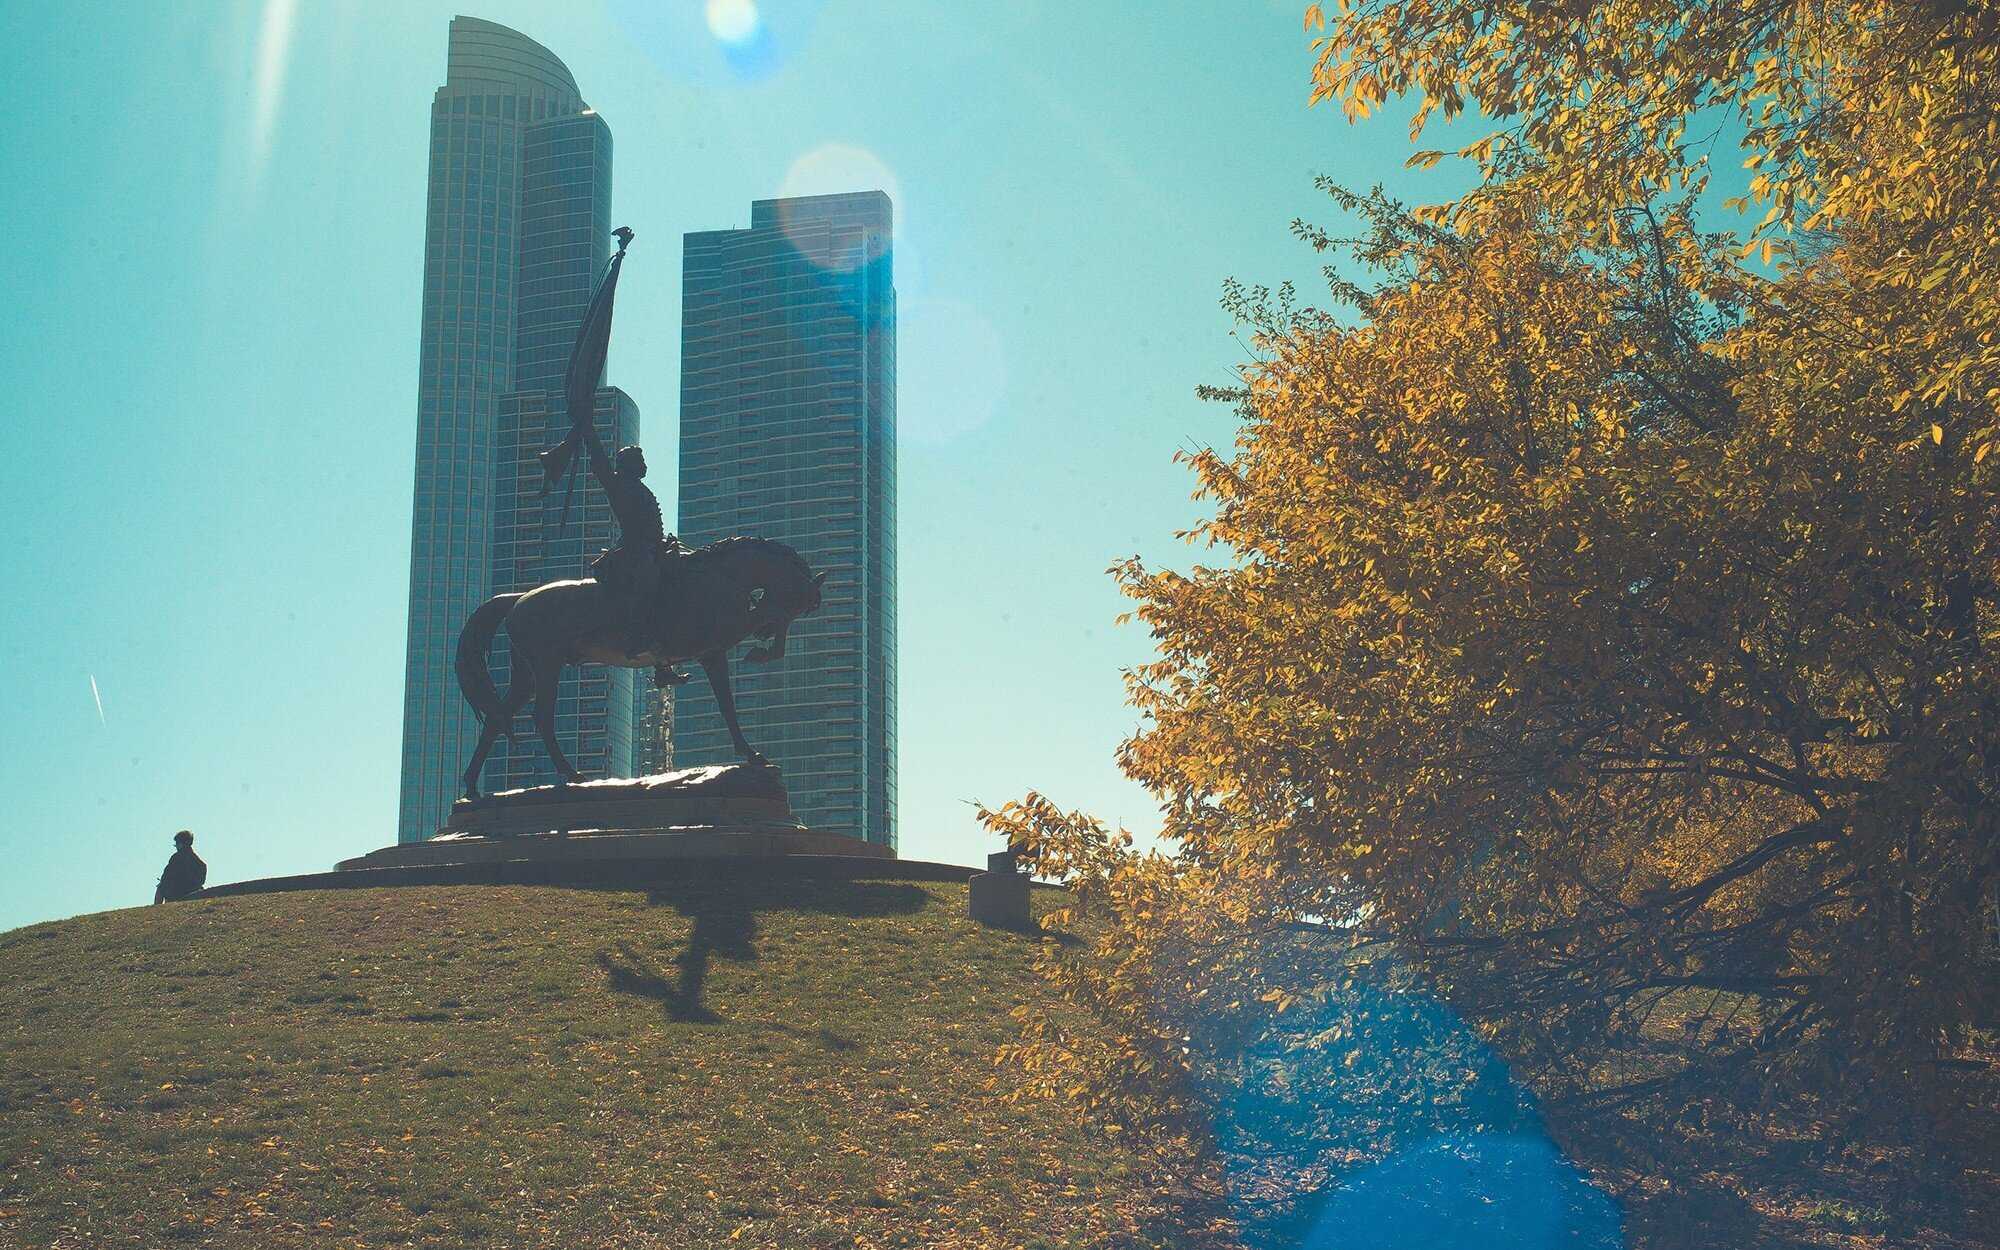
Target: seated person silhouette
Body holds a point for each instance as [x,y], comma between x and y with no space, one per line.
[185,873]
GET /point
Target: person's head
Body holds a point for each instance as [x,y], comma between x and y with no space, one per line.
[631,462]
[183,839]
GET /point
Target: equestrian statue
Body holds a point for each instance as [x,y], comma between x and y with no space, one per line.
[649,602]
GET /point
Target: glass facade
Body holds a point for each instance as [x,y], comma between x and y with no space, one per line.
[516,234]
[788,431]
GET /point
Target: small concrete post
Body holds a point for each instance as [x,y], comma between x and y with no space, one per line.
[998,897]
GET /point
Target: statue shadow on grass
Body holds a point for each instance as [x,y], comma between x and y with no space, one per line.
[724,915]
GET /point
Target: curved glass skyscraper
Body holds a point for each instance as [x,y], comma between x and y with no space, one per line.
[517,232]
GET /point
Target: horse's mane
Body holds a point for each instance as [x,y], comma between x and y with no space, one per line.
[747,543]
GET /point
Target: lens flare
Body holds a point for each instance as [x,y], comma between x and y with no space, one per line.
[832,168]
[1377,1117]
[733,21]
[1492,1190]
[718,42]
[836,169]
[274,44]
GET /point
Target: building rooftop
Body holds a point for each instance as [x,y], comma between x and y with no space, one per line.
[486,56]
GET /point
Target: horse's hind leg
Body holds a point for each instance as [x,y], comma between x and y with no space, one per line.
[519,686]
[545,719]
[488,734]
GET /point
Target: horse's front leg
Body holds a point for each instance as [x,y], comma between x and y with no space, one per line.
[716,665]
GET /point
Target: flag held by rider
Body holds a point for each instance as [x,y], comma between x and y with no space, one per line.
[586,369]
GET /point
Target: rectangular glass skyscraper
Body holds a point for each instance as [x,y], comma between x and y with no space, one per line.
[517,233]
[788,431]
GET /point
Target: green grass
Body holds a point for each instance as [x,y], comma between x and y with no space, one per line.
[735,1063]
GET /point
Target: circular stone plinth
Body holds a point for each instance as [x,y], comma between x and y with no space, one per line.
[688,842]
[604,874]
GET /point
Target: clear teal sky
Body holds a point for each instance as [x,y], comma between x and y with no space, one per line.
[211,226]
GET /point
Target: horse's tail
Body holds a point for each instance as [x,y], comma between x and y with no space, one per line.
[475,680]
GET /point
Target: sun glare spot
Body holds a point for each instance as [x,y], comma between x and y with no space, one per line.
[732,21]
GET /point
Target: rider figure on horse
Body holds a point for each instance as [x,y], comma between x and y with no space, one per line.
[632,570]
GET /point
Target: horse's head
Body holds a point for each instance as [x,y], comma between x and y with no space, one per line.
[779,587]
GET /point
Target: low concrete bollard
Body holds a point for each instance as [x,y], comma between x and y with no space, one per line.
[998,897]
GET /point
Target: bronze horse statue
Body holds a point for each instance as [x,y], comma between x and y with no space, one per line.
[713,598]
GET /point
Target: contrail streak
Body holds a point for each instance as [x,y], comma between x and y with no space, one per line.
[97,698]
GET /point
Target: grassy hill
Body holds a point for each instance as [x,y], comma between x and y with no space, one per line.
[729,1062]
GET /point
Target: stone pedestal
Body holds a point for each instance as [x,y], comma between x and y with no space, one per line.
[732,796]
[998,897]
[726,811]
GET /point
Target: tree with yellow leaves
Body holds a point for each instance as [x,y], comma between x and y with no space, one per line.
[1878,118]
[1606,631]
